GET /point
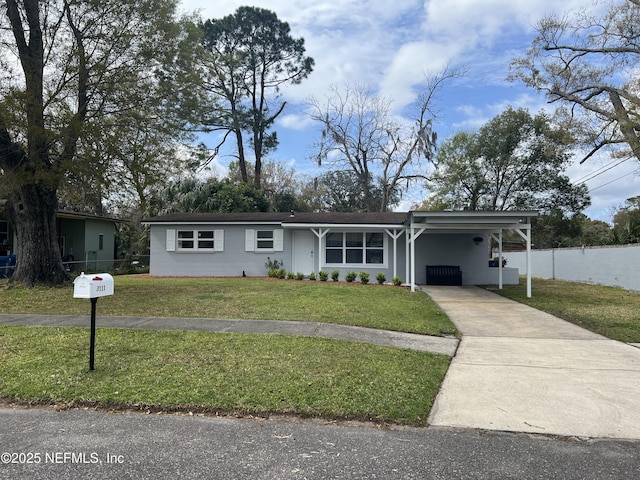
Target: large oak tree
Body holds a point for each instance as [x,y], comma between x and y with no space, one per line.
[513,162]
[72,73]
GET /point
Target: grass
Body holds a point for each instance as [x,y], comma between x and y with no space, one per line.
[227,373]
[373,306]
[609,311]
[219,373]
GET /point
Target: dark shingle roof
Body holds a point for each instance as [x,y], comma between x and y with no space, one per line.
[372,218]
[357,218]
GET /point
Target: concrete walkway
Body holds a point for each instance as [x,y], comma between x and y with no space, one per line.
[519,369]
[411,341]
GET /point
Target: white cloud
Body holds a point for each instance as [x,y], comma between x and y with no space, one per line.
[296,121]
[480,21]
[410,67]
[390,46]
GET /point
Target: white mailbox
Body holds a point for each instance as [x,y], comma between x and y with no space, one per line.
[93,285]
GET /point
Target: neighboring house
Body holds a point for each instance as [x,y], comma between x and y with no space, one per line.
[396,244]
[86,241]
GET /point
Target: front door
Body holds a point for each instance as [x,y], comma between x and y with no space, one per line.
[303,252]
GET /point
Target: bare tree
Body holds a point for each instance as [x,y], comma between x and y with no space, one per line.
[588,65]
[361,135]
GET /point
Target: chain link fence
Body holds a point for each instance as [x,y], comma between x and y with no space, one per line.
[137,264]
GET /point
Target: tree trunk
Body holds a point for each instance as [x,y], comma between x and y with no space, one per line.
[257,179]
[33,197]
[627,127]
[32,210]
[241,160]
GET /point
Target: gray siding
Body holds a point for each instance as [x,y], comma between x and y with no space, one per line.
[373,270]
[431,249]
[230,262]
[234,259]
[460,250]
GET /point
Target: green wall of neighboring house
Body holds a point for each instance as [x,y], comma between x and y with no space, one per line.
[104,248]
[71,238]
[91,241]
[81,239]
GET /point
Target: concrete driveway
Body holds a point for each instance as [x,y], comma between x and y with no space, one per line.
[520,369]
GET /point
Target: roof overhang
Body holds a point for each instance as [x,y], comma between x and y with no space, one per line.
[85,216]
[471,221]
[287,219]
[438,222]
[342,226]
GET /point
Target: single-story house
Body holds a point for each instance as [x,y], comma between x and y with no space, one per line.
[405,244]
[86,241]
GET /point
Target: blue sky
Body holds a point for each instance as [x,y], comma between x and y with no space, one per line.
[390,49]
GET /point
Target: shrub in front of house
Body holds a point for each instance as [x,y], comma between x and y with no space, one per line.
[350,276]
[364,277]
[312,276]
[273,266]
[299,276]
[290,276]
[380,277]
[323,275]
[335,275]
[397,281]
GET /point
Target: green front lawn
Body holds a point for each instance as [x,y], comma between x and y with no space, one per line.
[612,312]
[227,373]
[375,306]
[219,373]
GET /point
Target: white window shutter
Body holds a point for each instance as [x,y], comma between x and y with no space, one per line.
[249,240]
[218,240]
[171,240]
[278,240]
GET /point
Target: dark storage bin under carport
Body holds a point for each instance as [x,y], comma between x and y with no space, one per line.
[444,275]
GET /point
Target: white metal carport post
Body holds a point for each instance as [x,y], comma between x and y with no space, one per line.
[320,233]
[499,240]
[527,238]
[396,234]
[412,231]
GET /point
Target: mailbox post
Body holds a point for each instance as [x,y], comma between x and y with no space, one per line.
[93,287]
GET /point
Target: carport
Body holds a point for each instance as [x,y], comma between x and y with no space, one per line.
[491,224]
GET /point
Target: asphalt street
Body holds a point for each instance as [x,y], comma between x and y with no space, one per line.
[72,444]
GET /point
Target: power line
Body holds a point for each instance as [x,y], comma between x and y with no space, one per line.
[614,180]
[583,178]
[599,171]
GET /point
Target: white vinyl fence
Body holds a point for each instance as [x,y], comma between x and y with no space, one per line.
[616,265]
